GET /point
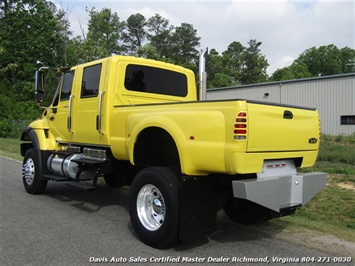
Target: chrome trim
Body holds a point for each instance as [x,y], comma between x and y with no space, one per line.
[69,113]
[202,76]
[99,113]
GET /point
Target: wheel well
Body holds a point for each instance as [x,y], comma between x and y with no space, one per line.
[156,147]
[24,147]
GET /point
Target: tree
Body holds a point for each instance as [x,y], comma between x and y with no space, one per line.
[5,6]
[104,34]
[295,71]
[254,64]
[347,59]
[30,31]
[159,35]
[233,61]
[324,60]
[321,61]
[134,34]
[237,65]
[217,74]
[184,41]
[149,51]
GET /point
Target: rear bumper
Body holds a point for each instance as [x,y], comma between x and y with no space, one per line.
[248,163]
[277,193]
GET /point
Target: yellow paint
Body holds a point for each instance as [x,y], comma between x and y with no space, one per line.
[204,132]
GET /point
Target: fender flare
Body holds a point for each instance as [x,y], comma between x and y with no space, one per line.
[28,134]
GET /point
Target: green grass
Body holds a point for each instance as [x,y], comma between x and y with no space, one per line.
[337,149]
[334,206]
[10,148]
[332,211]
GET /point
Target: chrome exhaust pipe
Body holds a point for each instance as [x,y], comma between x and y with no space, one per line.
[202,76]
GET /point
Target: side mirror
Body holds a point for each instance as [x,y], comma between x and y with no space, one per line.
[39,86]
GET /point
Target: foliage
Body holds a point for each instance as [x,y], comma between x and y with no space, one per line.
[159,35]
[104,33]
[135,33]
[254,64]
[29,31]
[295,71]
[321,61]
[183,45]
[237,65]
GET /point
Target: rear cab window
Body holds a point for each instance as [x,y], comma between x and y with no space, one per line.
[155,80]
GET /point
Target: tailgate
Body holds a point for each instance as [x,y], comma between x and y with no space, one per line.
[282,128]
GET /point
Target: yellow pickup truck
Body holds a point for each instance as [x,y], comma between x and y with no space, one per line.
[144,123]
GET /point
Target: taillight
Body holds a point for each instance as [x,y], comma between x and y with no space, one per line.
[240,126]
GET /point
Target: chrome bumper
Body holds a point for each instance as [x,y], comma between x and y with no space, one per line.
[277,193]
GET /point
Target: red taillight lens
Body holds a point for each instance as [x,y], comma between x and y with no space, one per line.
[240,126]
[240,131]
[242,114]
[243,120]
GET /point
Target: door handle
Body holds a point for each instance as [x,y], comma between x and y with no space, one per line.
[288,114]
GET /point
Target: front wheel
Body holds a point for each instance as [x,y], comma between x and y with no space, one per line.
[31,173]
[154,206]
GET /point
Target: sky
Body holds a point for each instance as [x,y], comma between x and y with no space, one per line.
[285,28]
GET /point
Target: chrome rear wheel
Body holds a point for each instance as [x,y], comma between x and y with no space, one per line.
[154,206]
[151,207]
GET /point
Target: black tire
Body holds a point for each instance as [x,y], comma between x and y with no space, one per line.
[154,206]
[32,172]
[112,180]
[246,212]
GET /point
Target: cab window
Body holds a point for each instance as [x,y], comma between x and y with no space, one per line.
[91,81]
[67,85]
[155,80]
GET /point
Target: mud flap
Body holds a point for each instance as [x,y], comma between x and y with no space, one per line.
[200,200]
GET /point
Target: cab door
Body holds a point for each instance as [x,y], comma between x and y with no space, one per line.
[90,104]
[59,113]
